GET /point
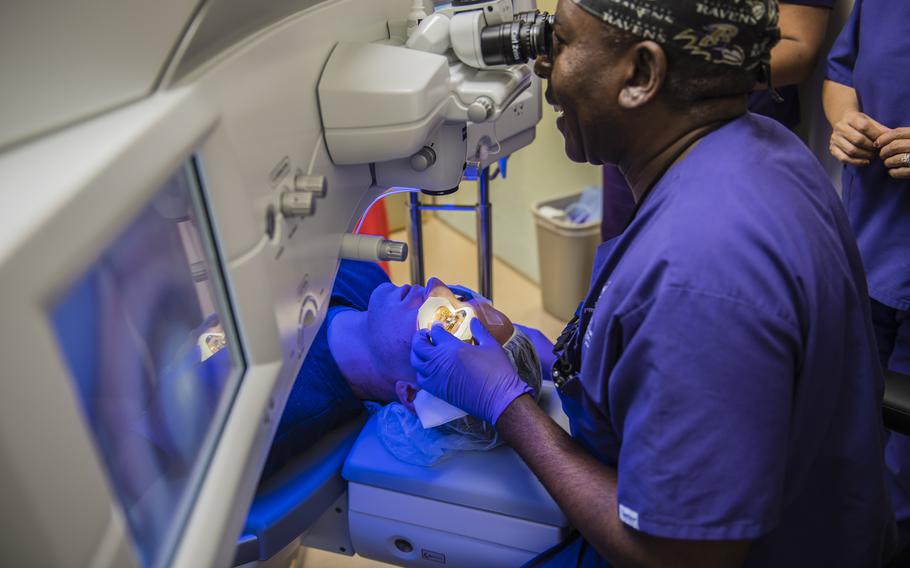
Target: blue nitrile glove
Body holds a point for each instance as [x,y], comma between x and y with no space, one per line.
[478,379]
[544,349]
[466,292]
[390,321]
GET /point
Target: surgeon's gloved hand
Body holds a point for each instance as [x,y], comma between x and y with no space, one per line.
[466,293]
[478,379]
[390,321]
[544,348]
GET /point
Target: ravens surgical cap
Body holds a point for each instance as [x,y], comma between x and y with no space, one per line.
[739,33]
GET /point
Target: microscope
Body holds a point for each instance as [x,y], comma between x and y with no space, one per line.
[454,94]
[169,249]
[439,103]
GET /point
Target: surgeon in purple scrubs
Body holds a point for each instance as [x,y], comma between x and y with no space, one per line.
[721,378]
[867,101]
[802,28]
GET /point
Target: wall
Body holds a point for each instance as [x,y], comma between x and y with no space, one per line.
[535,173]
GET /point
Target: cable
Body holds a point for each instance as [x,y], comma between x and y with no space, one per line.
[309,170]
[390,191]
[253,251]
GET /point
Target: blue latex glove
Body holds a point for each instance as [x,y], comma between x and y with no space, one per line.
[544,349]
[391,318]
[478,379]
[467,293]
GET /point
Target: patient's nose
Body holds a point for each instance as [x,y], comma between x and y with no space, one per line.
[434,284]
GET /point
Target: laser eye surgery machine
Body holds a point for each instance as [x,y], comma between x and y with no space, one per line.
[179,180]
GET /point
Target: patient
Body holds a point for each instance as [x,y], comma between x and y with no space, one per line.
[362,353]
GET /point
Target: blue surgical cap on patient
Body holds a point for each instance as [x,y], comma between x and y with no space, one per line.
[403,435]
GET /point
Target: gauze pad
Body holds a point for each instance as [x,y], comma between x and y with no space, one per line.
[433,411]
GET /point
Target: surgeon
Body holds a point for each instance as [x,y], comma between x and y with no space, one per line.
[361,353]
[802,29]
[720,378]
[867,101]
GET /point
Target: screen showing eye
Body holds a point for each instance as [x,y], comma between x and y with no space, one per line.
[148,340]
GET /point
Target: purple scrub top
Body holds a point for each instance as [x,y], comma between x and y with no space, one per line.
[729,371]
[872,55]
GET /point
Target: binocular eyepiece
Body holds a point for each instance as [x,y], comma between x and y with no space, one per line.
[528,36]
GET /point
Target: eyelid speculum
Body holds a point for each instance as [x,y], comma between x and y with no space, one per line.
[456,321]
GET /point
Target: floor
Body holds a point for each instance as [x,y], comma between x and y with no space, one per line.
[453,258]
[315,558]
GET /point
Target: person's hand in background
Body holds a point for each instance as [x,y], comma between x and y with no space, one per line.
[853,138]
[894,150]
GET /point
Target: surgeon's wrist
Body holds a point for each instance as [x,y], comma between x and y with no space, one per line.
[512,406]
[508,398]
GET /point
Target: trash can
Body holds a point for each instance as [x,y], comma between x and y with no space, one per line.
[566,252]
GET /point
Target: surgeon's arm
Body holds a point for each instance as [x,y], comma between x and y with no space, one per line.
[586,490]
[802,30]
[480,379]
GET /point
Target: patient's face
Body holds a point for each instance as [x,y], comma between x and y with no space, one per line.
[392,320]
[494,320]
[450,320]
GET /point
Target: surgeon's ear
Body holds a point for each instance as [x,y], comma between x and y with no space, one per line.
[649,70]
[406,393]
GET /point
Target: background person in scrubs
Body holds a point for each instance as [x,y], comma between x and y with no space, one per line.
[803,24]
[802,28]
[867,101]
[722,381]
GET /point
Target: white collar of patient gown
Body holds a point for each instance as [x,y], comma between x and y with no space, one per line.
[433,412]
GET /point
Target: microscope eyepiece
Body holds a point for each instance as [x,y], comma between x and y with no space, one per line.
[528,36]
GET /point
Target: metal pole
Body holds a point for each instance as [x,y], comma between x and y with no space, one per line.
[416,238]
[484,235]
[447,207]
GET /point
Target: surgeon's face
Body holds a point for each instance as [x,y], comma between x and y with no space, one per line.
[579,82]
[392,320]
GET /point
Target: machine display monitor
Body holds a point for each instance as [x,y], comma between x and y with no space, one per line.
[146,335]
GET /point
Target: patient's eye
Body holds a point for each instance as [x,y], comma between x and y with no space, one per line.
[450,321]
[211,341]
